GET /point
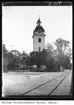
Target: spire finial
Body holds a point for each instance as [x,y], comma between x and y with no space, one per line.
[38,16]
[38,22]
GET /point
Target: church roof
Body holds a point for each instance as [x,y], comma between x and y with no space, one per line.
[39,28]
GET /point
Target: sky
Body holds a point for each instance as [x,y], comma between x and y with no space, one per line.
[18,23]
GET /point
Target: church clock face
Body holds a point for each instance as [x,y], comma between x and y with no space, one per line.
[38,37]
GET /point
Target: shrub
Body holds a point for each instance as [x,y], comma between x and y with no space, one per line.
[55,70]
[11,66]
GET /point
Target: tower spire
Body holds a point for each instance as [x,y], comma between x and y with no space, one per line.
[39,21]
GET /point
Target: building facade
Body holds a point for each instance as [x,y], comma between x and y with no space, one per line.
[38,37]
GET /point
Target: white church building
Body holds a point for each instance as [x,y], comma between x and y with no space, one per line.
[38,37]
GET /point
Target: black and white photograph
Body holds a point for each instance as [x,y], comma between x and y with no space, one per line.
[37,51]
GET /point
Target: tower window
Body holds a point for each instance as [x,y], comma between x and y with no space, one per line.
[39,49]
[39,39]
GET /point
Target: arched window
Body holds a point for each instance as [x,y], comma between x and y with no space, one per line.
[39,39]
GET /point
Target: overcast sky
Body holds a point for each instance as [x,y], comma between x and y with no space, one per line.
[18,23]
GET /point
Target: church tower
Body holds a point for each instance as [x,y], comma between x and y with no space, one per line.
[38,37]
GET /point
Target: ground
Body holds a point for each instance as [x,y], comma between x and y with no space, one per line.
[37,83]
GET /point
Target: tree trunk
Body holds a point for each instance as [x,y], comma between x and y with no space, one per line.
[38,67]
[61,68]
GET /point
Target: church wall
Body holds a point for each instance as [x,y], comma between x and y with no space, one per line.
[37,44]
